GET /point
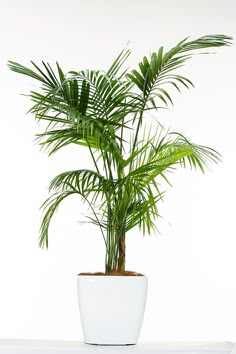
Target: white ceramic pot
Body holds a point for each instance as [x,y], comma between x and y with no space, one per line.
[111,308]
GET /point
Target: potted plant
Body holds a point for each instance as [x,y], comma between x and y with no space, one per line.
[105,112]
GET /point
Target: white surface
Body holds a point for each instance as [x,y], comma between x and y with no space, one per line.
[190,265]
[112,308]
[33,346]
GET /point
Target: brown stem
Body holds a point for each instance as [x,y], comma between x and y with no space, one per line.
[121,258]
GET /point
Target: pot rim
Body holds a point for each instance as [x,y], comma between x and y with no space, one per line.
[111,276]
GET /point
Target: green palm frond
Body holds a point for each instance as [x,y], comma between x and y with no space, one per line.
[85,182]
[91,134]
[165,151]
[81,182]
[143,213]
[118,63]
[38,75]
[50,206]
[160,68]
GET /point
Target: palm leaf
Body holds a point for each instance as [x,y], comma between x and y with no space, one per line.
[160,67]
[50,206]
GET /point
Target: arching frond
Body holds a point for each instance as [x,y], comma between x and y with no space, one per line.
[160,68]
[84,181]
[50,206]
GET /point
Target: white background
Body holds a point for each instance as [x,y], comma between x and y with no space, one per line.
[191,265]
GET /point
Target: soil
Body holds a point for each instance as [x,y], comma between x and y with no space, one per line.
[115,273]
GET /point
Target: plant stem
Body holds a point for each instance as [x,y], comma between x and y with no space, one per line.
[121,258]
[139,123]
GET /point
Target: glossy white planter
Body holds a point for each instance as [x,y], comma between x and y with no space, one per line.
[111,308]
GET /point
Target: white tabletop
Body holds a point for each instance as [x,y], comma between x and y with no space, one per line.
[16,346]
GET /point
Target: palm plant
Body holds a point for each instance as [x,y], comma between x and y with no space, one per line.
[105,112]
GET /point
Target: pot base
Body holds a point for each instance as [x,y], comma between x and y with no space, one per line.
[109,345]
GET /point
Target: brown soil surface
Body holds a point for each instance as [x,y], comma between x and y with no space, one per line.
[114,273]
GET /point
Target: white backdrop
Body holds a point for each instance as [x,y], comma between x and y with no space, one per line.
[191,265]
